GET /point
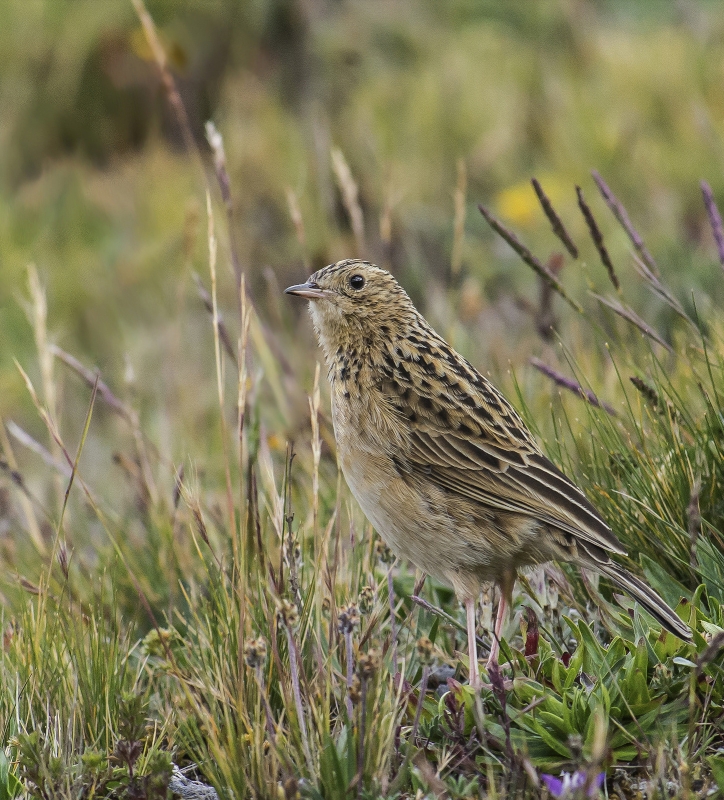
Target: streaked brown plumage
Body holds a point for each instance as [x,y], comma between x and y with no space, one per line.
[439,461]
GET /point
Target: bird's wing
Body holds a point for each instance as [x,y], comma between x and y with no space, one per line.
[466,437]
[536,487]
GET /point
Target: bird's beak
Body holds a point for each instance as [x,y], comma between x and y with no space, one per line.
[310,290]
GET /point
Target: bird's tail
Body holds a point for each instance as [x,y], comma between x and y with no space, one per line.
[648,598]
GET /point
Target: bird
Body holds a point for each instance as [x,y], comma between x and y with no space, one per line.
[438,459]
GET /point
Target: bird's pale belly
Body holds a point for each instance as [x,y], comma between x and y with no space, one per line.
[400,517]
[415,525]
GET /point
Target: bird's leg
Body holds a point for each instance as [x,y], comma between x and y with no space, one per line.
[474,669]
[506,599]
[499,620]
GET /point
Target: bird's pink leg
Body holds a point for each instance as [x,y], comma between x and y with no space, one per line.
[499,620]
[474,669]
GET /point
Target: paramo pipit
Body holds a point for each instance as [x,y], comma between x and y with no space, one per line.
[439,461]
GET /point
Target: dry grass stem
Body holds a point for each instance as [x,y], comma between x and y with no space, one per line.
[717,227]
[623,219]
[627,313]
[349,653]
[159,54]
[216,143]
[25,498]
[89,376]
[39,321]
[208,302]
[460,196]
[26,440]
[661,290]
[240,548]
[693,521]
[211,232]
[295,214]
[314,402]
[393,622]
[559,229]
[294,668]
[597,237]
[572,386]
[92,378]
[350,197]
[528,257]
[545,318]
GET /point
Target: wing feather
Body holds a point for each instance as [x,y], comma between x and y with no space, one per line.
[537,488]
[471,441]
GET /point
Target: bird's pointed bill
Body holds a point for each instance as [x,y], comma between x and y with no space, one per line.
[309,290]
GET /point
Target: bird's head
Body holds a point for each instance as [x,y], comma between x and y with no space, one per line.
[351,301]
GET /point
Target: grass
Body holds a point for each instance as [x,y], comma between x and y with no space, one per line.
[188,580]
[240,621]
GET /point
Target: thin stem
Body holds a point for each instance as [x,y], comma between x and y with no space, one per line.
[294,664]
[717,228]
[572,386]
[420,700]
[597,238]
[265,702]
[557,225]
[361,744]
[402,772]
[393,626]
[528,257]
[473,668]
[350,670]
[623,219]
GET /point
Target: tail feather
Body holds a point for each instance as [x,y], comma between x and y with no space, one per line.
[648,598]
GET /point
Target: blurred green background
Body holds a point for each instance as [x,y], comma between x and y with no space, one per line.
[97,190]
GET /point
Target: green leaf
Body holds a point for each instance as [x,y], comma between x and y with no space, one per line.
[10,786]
[580,709]
[555,744]
[330,766]
[641,657]
[555,722]
[627,753]
[711,567]
[593,653]
[567,715]
[528,690]
[666,585]
[716,764]
[666,645]
[615,652]
[575,665]
[700,601]
[711,628]
[553,705]
[434,629]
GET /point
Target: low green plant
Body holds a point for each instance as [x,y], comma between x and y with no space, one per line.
[10,785]
[135,770]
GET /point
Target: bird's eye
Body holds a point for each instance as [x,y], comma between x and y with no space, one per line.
[356,281]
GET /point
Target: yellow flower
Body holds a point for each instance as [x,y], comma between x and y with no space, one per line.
[518,204]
